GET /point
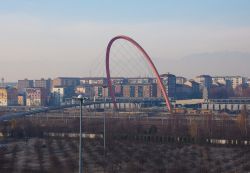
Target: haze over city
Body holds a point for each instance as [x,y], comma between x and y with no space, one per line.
[65,37]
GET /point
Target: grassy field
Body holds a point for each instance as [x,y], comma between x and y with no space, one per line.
[61,155]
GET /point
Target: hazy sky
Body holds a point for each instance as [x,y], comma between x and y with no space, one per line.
[45,38]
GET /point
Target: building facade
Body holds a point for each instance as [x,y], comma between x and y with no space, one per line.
[21,100]
[43,83]
[169,81]
[140,90]
[183,91]
[36,97]
[140,80]
[23,84]
[93,81]
[195,87]
[180,80]
[86,90]
[66,82]
[61,93]
[205,81]
[8,96]
[234,81]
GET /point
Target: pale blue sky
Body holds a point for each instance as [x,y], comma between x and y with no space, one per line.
[35,32]
[228,12]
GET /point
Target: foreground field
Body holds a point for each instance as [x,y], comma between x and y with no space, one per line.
[61,155]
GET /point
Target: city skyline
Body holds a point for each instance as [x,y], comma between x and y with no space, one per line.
[37,36]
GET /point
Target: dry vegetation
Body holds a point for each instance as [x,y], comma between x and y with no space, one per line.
[134,145]
[60,155]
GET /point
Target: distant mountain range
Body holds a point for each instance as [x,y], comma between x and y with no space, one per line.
[216,64]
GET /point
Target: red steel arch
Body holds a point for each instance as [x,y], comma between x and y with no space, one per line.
[146,56]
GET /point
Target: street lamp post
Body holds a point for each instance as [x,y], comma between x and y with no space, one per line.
[104,128]
[81,99]
[104,122]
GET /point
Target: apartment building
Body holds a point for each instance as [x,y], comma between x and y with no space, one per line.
[43,83]
[8,96]
[23,84]
[169,82]
[234,80]
[66,82]
[205,81]
[36,97]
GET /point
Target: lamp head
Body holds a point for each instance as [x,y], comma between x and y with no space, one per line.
[80,96]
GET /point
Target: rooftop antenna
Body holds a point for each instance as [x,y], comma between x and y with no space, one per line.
[2,82]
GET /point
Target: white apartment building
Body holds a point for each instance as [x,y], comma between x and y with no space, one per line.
[235,80]
[205,81]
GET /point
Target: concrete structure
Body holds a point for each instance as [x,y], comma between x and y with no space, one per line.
[23,84]
[190,101]
[205,93]
[8,96]
[36,97]
[232,104]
